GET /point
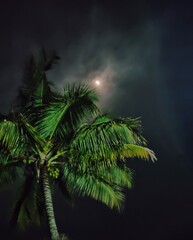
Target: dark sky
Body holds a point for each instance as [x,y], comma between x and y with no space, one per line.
[143,53]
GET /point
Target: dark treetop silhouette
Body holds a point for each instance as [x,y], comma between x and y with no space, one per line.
[60,137]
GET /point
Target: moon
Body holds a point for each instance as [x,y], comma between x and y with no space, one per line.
[97,82]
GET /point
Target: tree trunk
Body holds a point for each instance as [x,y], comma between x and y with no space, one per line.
[49,205]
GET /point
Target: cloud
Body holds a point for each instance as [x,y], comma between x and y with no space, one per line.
[95,43]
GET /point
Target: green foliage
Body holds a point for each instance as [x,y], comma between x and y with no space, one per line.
[131,150]
[9,133]
[101,183]
[83,151]
[35,89]
[66,112]
[28,207]
[110,139]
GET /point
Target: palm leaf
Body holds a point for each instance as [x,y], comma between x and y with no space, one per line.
[133,124]
[28,208]
[48,59]
[131,150]
[30,133]
[16,133]
[110,139]
[103,183]
[9,133]
[35,88]
[102,139]
[66,113]
[116,175]
[96,188]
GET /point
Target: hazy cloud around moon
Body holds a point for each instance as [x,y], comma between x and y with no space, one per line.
[88,44]
[126,52]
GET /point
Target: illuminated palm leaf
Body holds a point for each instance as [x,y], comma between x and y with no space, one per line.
[94,187]
[66,113]
[9,133]
[133,124]
[131,150]
[30,133]
[109,139]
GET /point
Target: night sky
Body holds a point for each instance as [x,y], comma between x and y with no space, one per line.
[142,52]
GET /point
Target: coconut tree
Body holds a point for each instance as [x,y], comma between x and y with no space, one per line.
[62,138]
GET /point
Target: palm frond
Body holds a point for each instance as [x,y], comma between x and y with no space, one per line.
[134,125]
[35,88]
[94,187]
[30,133]
[48,59]
[28,208]
[102,139]
[9,133]
[41,93]
[108,140]
[116,175]
[131,150]
[66,113]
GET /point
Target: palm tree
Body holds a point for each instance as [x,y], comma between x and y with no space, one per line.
[62,138]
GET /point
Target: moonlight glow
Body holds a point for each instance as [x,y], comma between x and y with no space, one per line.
[97,82]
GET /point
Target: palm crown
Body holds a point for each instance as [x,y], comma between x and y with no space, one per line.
[62,137]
